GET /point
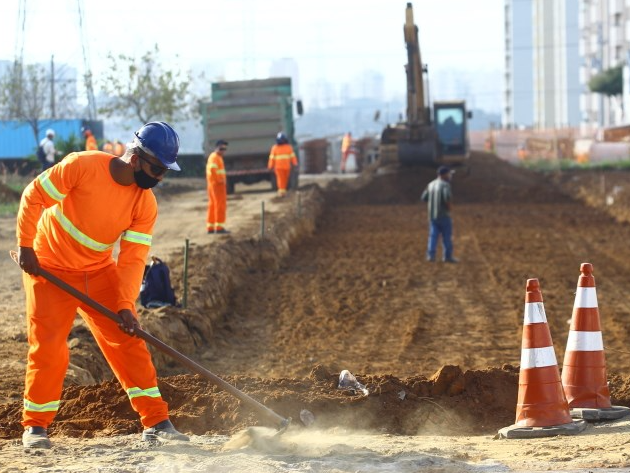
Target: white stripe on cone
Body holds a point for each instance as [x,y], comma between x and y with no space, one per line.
[585,341]
[585,298]
[535,313]
[537,357]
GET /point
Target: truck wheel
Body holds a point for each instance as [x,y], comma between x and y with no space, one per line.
[294,179]
[230,186]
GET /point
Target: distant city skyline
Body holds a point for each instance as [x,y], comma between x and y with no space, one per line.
[338,48]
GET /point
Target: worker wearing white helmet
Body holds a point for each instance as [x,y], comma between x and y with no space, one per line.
[46,152]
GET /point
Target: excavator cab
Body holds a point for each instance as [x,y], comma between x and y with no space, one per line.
[451,124]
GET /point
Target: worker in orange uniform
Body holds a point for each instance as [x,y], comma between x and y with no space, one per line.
[90,140]
[108,147]
[89,200]
[217,189]
[281,159]
[346,148]
[119,148]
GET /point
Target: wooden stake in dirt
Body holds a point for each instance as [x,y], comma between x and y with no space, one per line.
[185,278]
[262,220]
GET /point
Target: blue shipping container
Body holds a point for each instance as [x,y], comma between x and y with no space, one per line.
[17,141]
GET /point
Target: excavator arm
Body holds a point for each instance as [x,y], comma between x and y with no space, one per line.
[416,113]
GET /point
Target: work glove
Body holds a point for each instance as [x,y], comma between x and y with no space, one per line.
[128,323]
[27,259]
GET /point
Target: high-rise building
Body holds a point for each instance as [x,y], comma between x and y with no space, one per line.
[605,29]
[542,87]
[519,65]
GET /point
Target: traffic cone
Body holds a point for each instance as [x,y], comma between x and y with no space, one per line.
[584,368]
[541,409]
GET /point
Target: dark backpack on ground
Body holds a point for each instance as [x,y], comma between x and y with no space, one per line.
[156,290]
[41,155]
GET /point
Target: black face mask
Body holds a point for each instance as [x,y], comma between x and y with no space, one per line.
[143,180]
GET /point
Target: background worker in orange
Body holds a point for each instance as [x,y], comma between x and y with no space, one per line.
[89,201]
[119,148]
[217,189]
[90,140]
[281,158]
[346,147]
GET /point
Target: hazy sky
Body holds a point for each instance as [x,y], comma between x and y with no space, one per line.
[336,41]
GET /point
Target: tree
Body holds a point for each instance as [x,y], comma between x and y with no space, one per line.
[608,82]
[143,88]
[26,95]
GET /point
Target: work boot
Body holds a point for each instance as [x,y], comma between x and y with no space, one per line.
[223,231]
[430,259]
[451,260]
[163,431]
[35,437]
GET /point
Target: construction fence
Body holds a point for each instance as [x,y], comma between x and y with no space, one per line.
[606,145]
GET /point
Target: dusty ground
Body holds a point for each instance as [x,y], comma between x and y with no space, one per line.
[339,281]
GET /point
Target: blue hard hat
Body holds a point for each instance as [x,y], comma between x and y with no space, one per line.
[281,138]
[160,141]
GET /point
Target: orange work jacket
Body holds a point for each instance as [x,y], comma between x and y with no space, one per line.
[90,143]
[346,143]
[281,157]
[85,213]
[119,148]
[108,147]
[215,169]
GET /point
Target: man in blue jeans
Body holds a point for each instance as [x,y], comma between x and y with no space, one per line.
[438,198]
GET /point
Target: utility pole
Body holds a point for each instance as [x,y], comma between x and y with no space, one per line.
[52,87]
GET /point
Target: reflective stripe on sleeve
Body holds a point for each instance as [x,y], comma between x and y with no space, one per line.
[137,237]
[535,313]
[77,234]
[585,297]
[137,392]
[585,341]
[49,187]
[537,357]
[46,407]
[221,171]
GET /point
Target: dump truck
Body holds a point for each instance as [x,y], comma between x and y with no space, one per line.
[248,115]
[429,135]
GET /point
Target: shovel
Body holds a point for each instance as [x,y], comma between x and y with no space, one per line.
[280,422]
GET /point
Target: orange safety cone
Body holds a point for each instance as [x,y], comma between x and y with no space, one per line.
[541,409]
[584,368]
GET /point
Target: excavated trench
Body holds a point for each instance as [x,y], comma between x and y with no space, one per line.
[344,285]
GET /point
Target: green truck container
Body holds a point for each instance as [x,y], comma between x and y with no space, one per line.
[248,115]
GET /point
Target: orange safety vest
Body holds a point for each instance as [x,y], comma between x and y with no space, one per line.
[345,143]
[85,213]
[281,157]
[90,143]
[215,169]
[108,147]
[119,148]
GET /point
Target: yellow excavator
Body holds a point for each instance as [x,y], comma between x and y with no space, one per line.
[429,136]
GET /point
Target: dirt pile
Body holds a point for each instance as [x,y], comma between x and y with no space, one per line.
[449,402]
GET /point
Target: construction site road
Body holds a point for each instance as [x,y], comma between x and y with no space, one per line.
[437,345]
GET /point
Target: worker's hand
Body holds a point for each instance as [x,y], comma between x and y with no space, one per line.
[27,259]
[128,323]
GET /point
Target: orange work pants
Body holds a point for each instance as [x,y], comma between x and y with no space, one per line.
[50,314]
[282,178]
[217,203]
